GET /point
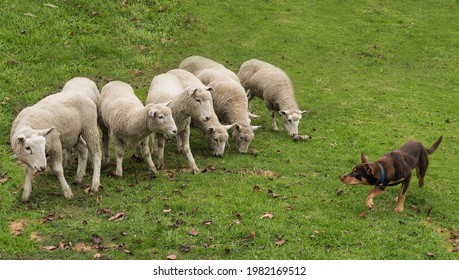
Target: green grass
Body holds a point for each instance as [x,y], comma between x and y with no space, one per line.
[373,74]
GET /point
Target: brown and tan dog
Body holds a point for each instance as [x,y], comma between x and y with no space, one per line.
[392,169]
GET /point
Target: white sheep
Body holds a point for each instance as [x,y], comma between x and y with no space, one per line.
[214,132]
[129,123]
[193,101]
[229,97]
[272,84]
[59,121]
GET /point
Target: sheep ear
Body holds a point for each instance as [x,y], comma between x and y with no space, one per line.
[254,127]
[191,91]
[363,158]
[152,113]
[236,126]
[253,116]
[283,113]
[21,138]
[168,103]
[210,89]
[211,129]
[44,132]
[247,92]
[304,112]
[228,127]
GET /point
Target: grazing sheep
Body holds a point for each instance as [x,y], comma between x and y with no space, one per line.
[229,97]
[273,86]
[59,121]
[129,123]
[214,132]
[193,101]
[87,87]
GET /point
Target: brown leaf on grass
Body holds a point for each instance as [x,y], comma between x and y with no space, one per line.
[289,208]
[272,194]
[4,178]
[118,216]
[257,188]
[208,169]
[431,255]
[137,72]
[48,218]
[50,248]
[167,211]
[339,191]
[171,257]
[193,232]
[97,256]
[207,222]
[268,215]
[251,235]
[65,246]
[17,227]
[94,13]
[237,214]
[81,247]
[101,211]
[280,241]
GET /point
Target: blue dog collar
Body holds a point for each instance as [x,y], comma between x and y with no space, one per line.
[383,176]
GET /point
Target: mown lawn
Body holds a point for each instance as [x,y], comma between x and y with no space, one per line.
[373,74]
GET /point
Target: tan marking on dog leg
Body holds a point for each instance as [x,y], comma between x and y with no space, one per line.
[400,202]
[371,194]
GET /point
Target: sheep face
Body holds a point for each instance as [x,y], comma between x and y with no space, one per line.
[291,120]
[160,119]
[243,135]
[216,140]
[31,149]
[202,103]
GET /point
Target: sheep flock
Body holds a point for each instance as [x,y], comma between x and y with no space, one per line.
[200,93]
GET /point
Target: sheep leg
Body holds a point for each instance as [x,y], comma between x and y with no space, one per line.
[119,150]
[273,121]
[146,155]
[105,146]
[56,166]
[160,142]
[179,145]
[82,149]
[94,150]
[185,138]
[27,184]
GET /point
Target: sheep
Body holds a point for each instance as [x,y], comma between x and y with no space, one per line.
[229,97]
[129,123]
[214,132]
[191,101]
[59,121]
[272,84]
[85,86]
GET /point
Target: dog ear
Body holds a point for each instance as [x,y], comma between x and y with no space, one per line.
[368,169]
[363,158]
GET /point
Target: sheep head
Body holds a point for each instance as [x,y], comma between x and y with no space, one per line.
[243,135]
[216,137]
[292,120]
[201,106]
[160,119]
[30,148]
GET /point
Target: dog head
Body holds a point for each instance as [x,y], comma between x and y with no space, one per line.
[362,174]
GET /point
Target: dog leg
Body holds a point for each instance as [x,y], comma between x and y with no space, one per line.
[374,192]
[401,197]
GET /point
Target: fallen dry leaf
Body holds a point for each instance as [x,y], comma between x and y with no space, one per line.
[171,257]
[48,218]
[50,248]
[257,188]
[96,240]
[268,215]
[207,222]
[430,254]
[193,232]
[16,227]
[289,208]
[280,241]
[339,191]
[272,194]
[118,216]
[251,235]
[167,210]
[97,256]
[4,178]
[81,247]
[104,211]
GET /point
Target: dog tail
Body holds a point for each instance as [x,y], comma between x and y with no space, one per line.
[434,146]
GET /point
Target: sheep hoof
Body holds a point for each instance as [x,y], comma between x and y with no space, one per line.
[68,194]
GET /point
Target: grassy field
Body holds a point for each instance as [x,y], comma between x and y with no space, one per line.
[374,74]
